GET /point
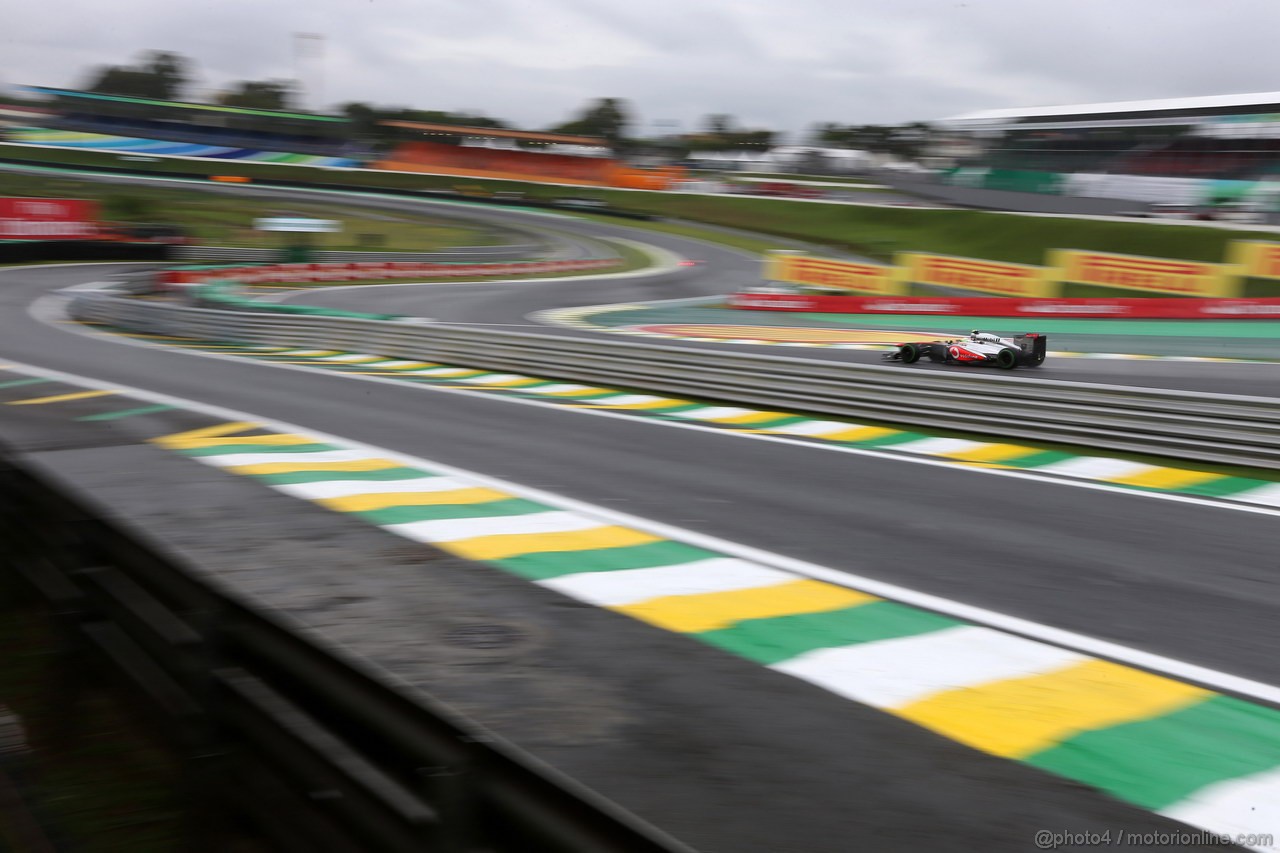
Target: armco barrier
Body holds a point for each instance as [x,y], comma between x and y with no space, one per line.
[321,750]
[1203,427]
[990,306]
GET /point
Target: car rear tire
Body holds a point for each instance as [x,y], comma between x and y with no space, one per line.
[1007,359]
[909,353]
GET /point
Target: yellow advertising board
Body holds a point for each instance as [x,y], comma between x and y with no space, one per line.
[874,279]
[1152,275]
[994,277]
[1256,259]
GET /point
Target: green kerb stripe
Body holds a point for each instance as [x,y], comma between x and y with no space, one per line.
[558,563]
[436,512]
[1225,487]
[887,440]
[229,449]
[1155,763]
[769,641]
[125,413]
[326,476]
[1038,460]
[18,383]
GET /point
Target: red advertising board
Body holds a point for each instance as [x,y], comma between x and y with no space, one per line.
[979,306]
[48,219]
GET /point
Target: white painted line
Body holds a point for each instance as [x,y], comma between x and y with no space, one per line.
[348,488]
[235,460]
[352,357]
[1266,496]
[627,586]
[1205,676]
[49,313]
[454,529]
[892,673]
[495,378]
[1094,468]
[940,446]
[814,428]
[1250,805]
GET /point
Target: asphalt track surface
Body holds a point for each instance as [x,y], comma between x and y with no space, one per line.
[773,765]
[725,270]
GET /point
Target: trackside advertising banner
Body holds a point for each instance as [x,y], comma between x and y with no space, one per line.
[1256,259]
[994,277]
[986,306]
[48,219]
[1154,275]
[836,275]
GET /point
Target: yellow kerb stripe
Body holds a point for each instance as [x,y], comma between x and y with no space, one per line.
[60,398]
[991,453]
[499,546]
[1166,478]
[690,614]
[295,467]
[1021,716]
[749,418]
[365,503]
[179,440]
[858,434]
[279,439]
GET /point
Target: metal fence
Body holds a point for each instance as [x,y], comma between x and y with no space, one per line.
[319,750]
[1213,428]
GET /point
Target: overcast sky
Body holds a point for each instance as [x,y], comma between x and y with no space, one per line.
[781,64]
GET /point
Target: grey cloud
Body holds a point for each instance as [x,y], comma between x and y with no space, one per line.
[783,65]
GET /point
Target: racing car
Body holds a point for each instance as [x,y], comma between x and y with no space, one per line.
[979,348]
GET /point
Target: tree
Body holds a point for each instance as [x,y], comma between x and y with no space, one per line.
[259,95]
[719,124]
[606,117]
[159,75]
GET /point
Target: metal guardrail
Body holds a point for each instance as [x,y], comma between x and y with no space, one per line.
[323,752]
[1213,428]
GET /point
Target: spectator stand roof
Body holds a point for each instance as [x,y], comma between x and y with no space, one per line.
[1164,111]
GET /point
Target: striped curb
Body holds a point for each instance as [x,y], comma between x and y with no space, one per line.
[576,318]
[1191,754]
[1195,755]
[961,452]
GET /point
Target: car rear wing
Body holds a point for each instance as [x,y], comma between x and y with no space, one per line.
[1032,344]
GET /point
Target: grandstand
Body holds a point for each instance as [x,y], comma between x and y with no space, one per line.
[1187,150]
[93,121]
[485,152]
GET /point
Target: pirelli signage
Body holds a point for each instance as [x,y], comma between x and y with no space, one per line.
[1256,259]
[1152,275]
[873,279]
[994,277]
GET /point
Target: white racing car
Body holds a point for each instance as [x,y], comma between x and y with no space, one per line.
[979,348]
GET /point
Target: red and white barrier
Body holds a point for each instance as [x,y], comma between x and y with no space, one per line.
[1130,308]
[277,273]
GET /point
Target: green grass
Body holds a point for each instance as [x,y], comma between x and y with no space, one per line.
[878,232]
[222,220]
